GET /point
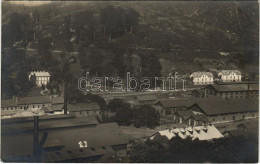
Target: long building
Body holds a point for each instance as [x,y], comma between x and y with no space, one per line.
[225,111]
[232,91]
[62,138]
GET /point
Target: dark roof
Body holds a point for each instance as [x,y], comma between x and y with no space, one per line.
[216,107]
[97,136]
[171,103]
[41,118]
[235,87]
[57,100]
[188,113]
[252,123]
[199,116]
[146,98]
[83,107]
[183,102]
[64,156]
[34,100]
[8,103]
[54,124]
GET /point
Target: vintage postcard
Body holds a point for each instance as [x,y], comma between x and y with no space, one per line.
[130,81]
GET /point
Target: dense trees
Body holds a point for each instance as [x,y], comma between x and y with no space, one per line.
[146,116]
[176,150]
[138,116]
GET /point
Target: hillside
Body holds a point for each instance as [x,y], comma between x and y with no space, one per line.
[69,38]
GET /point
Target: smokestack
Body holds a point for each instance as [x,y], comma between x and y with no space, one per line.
[65,98]
[248,91]
[36,135]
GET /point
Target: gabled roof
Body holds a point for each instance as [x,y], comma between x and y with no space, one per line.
[146,98]
[40,73]
[83,107]
[185,114]
[235,87]
[8,103]
[174,103]
[34,100]
[218,107]
[182,102]
[228,72]
[199,132]
[188,113]
[199,74]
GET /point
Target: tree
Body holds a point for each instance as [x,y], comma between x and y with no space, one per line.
[178,150]
[115,104]
[146,115]
[124,114]
[43,87]
[96,98]
[48,86]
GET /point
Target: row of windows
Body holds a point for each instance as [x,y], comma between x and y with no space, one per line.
[233,117]
[43,78]
[26,107]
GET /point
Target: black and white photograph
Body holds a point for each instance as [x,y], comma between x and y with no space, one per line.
[130,81]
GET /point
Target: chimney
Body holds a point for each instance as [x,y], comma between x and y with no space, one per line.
[65,98]
[248,91]
[36,135]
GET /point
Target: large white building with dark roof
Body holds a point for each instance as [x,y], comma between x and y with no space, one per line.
[230,75]
[41,77]
[202,78]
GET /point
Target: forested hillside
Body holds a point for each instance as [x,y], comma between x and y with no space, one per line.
[111,38]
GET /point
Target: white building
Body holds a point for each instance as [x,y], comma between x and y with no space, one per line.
[199,132]
[42,77]
[230,75]
[202,78]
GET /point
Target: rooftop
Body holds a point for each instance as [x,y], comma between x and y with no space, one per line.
[182,102]
[146,98]
[199,74]
[40,73]
[99,136]
[8,103]
[235,87]
[51,124]
[228,72]
[216,107]
[34,100]
[57,100]
[83,107]
[199,132]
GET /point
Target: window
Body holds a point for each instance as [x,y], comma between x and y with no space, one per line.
[243,116]
[213,119]
[234,117]
[224,118]
[253,115]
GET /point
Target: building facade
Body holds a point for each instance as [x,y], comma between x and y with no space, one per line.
[41,77]
[218,111]
[202,78]
[84,109]
[232,91]
[230,75]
